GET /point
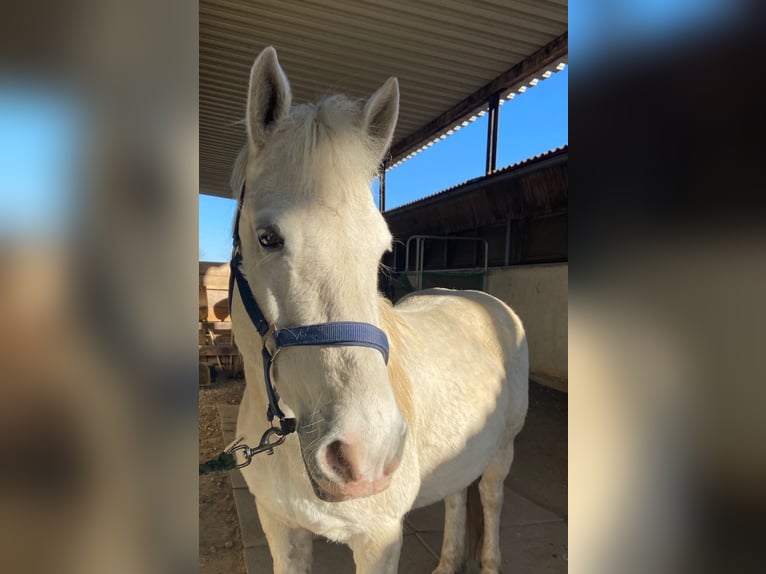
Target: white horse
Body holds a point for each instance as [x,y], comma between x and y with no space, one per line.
[373,440]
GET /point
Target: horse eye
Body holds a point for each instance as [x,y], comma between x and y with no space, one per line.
[270,239]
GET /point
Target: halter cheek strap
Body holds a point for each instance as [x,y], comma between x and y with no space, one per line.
[341,333]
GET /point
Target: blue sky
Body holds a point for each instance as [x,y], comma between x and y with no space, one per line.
[532,123]
[40,136]
[216,216]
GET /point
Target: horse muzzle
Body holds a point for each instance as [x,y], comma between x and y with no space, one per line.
[334,492]
[346,469]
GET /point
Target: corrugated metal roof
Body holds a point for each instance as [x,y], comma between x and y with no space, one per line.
[534,187]
[561,150]
[443,51]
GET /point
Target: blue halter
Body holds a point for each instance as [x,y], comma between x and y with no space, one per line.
[342,333]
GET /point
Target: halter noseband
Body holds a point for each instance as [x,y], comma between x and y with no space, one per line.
[341,333]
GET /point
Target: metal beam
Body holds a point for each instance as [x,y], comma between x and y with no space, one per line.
[494,109]
[547,55]
[382,188]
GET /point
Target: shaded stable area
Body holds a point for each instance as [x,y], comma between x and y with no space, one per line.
[518,217]
[534,517]
[521,211]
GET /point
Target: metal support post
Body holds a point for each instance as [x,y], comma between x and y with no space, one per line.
[494,104]
[382,189]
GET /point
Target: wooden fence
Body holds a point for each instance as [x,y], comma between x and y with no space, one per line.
[218,351]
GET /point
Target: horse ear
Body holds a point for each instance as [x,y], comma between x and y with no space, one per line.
[380,114]
[269,96]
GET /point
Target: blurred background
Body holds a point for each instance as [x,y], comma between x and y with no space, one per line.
[99,264]
[667,284]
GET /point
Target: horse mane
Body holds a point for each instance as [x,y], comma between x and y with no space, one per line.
[239,172]
[324,138]
[395,329]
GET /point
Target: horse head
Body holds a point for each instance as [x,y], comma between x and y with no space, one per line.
[311,240]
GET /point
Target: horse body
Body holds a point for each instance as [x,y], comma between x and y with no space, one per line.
[374,440]
[467,371]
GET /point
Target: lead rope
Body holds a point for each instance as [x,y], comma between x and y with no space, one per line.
[227,460]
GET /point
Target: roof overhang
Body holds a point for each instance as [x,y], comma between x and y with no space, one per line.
[536,186]
[450,58]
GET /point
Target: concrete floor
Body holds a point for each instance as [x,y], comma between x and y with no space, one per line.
[533,522]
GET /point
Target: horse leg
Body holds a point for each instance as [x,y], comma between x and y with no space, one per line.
[378,552]
[453,543]
[291,548]
[491,493]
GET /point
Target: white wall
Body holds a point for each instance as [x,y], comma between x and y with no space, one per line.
[538,294]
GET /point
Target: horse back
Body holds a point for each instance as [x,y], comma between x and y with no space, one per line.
[466,356]
[466,318]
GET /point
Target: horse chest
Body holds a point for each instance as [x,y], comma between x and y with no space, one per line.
[285,492]
[280,485]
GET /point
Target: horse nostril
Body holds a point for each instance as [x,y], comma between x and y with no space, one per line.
[391,467]
[337,458]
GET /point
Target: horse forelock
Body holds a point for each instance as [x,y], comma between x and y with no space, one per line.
[317,142]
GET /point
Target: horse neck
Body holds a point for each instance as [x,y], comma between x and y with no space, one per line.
[395,330]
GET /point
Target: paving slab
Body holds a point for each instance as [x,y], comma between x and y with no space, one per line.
[228,413]
[416,557]
[517,511]
[228,416]
[237,480]
[258,560]
[249,524]
[535,549]
[530,549]
[540,470]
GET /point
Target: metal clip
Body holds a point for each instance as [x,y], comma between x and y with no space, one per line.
[271,335]
[265,446]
